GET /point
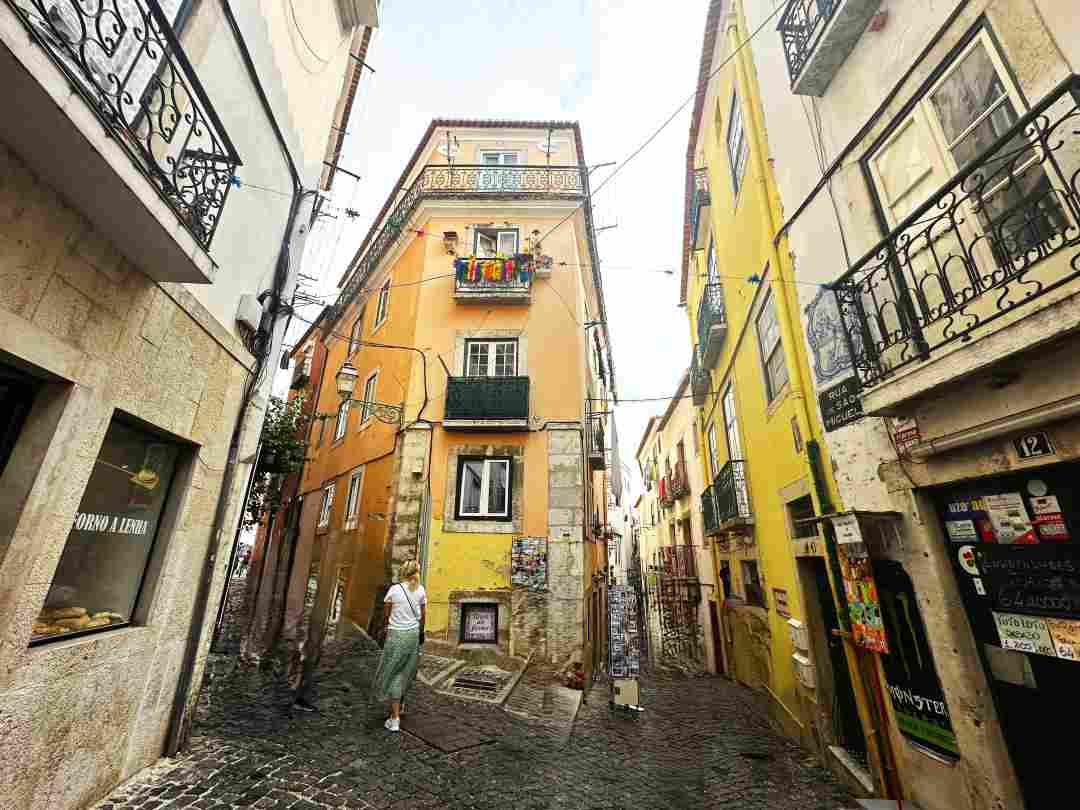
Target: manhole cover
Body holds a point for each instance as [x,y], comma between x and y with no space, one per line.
[446,733]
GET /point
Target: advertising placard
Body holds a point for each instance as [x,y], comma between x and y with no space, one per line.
[1009,517]
[528,563]
[864,610]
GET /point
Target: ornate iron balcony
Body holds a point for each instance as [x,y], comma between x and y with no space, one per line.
[699,200]
[997,236]
[466,182]
[594,442]
[700,384]
[676,561]
[801,26]
[487,399]
[493,280]
[708,511]
[126,63]
[731,494]
[680,482]
[711,324]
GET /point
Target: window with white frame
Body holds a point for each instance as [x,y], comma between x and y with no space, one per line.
[383,304]
[731,424]
[736,143]
[491,358]
[355,332]
[714,459]
[483,488]
[495,241]
[502,178]
[342,420]
[352,499]
[370,386]
[327,504]
[772,349]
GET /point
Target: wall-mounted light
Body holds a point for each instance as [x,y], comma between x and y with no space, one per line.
[450,242]
[346,379]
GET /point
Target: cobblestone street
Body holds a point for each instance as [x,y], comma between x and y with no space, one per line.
[703,742]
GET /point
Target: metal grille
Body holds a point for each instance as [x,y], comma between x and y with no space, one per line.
[487,398]
[123,58]
[699,200]
[708,512]
[711,313]
[800,27]
[677,599]
[976,249]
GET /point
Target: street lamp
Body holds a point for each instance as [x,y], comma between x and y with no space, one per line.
[345,380]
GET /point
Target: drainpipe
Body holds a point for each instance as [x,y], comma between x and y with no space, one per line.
[783,294]
[284,278]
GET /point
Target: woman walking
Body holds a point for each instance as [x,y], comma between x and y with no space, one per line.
[405,614]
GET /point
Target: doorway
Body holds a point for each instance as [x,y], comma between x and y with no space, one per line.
[17,392]
[1012,543]
[717,639]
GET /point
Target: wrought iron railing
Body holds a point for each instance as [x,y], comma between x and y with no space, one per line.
[676,561]
[124,59]
[800,27]
[487,398]
[731,493]
[594,438]
[464,182]
[976,249]
[711,313]
[700,384]
[513,287]
[667,498]
[680,482]
[708,512]
[699,200]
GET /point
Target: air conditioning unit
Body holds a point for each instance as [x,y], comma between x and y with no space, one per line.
[358,12]
[804,670]
[249,312]
[800,640]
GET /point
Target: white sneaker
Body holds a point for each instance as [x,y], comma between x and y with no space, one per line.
[392,725]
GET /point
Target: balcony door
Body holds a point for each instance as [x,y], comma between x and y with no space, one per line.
[987,228]
[491,358]
[499,179]
[731,425]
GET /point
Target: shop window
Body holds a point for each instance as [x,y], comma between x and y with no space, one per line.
[798,511]
[480,623]
[483,489]
[751,577]
[104,563]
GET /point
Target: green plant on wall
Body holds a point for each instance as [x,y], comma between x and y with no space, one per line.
[283,447]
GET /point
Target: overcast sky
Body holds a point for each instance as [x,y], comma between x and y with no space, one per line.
[619,69]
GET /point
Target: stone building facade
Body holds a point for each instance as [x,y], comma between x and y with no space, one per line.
[132,352]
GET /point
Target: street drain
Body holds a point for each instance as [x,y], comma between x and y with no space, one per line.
[764,755]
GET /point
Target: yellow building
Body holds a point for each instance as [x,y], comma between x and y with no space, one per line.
[471,346]
[762,455]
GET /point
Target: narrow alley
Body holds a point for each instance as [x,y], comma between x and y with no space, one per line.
[702,742]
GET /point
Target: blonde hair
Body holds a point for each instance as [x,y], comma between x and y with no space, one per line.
[409,569]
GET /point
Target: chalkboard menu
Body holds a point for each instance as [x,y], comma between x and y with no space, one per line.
[840,405]
[624,640]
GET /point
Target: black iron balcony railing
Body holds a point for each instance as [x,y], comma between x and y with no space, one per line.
[466,182]
[486,289]
[976,250]
[676,561]
[708,512]
[731,494]
[680,482]
[800,27]
[125,61]
[595,447]
[699,200]
[487,398]
[711,324]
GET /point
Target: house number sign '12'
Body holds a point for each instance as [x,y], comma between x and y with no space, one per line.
[1033,445]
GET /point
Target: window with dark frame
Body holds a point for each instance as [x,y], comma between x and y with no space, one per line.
[751,577]
[102,571]
[484,488]
[800,510]
[772,349]
[480,623]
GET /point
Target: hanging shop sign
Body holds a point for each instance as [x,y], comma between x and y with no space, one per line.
[922,714]
[840,405]
[528,563]
[847,529]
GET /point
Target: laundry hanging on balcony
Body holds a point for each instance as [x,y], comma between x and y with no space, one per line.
[499,269]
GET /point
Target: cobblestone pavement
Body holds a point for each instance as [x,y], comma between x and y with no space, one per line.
[703,742]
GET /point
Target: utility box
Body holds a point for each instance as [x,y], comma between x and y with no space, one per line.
[626,692]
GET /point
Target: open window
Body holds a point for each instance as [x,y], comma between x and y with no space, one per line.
[492,242]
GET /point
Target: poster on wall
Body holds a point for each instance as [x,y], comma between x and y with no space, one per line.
[624,641]
[922,714]
[528,563]
[1009,517]
[966,521]
[864,609]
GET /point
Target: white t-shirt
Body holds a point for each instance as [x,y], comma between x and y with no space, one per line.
[402,615]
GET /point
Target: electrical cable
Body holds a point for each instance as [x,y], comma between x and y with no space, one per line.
[326,62]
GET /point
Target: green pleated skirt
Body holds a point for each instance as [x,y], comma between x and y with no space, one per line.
[397,666]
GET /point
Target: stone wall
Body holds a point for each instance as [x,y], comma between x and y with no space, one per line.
[566,525]
[81,715]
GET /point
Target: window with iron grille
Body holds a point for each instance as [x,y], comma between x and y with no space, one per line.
[491,358]
[772,349]
[484,488]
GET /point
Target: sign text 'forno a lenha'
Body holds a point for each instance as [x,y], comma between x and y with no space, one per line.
[110,524]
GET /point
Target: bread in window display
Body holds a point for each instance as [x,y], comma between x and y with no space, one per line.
[63,613]
[52,621]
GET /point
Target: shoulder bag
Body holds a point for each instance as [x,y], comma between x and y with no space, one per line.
[419,616]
